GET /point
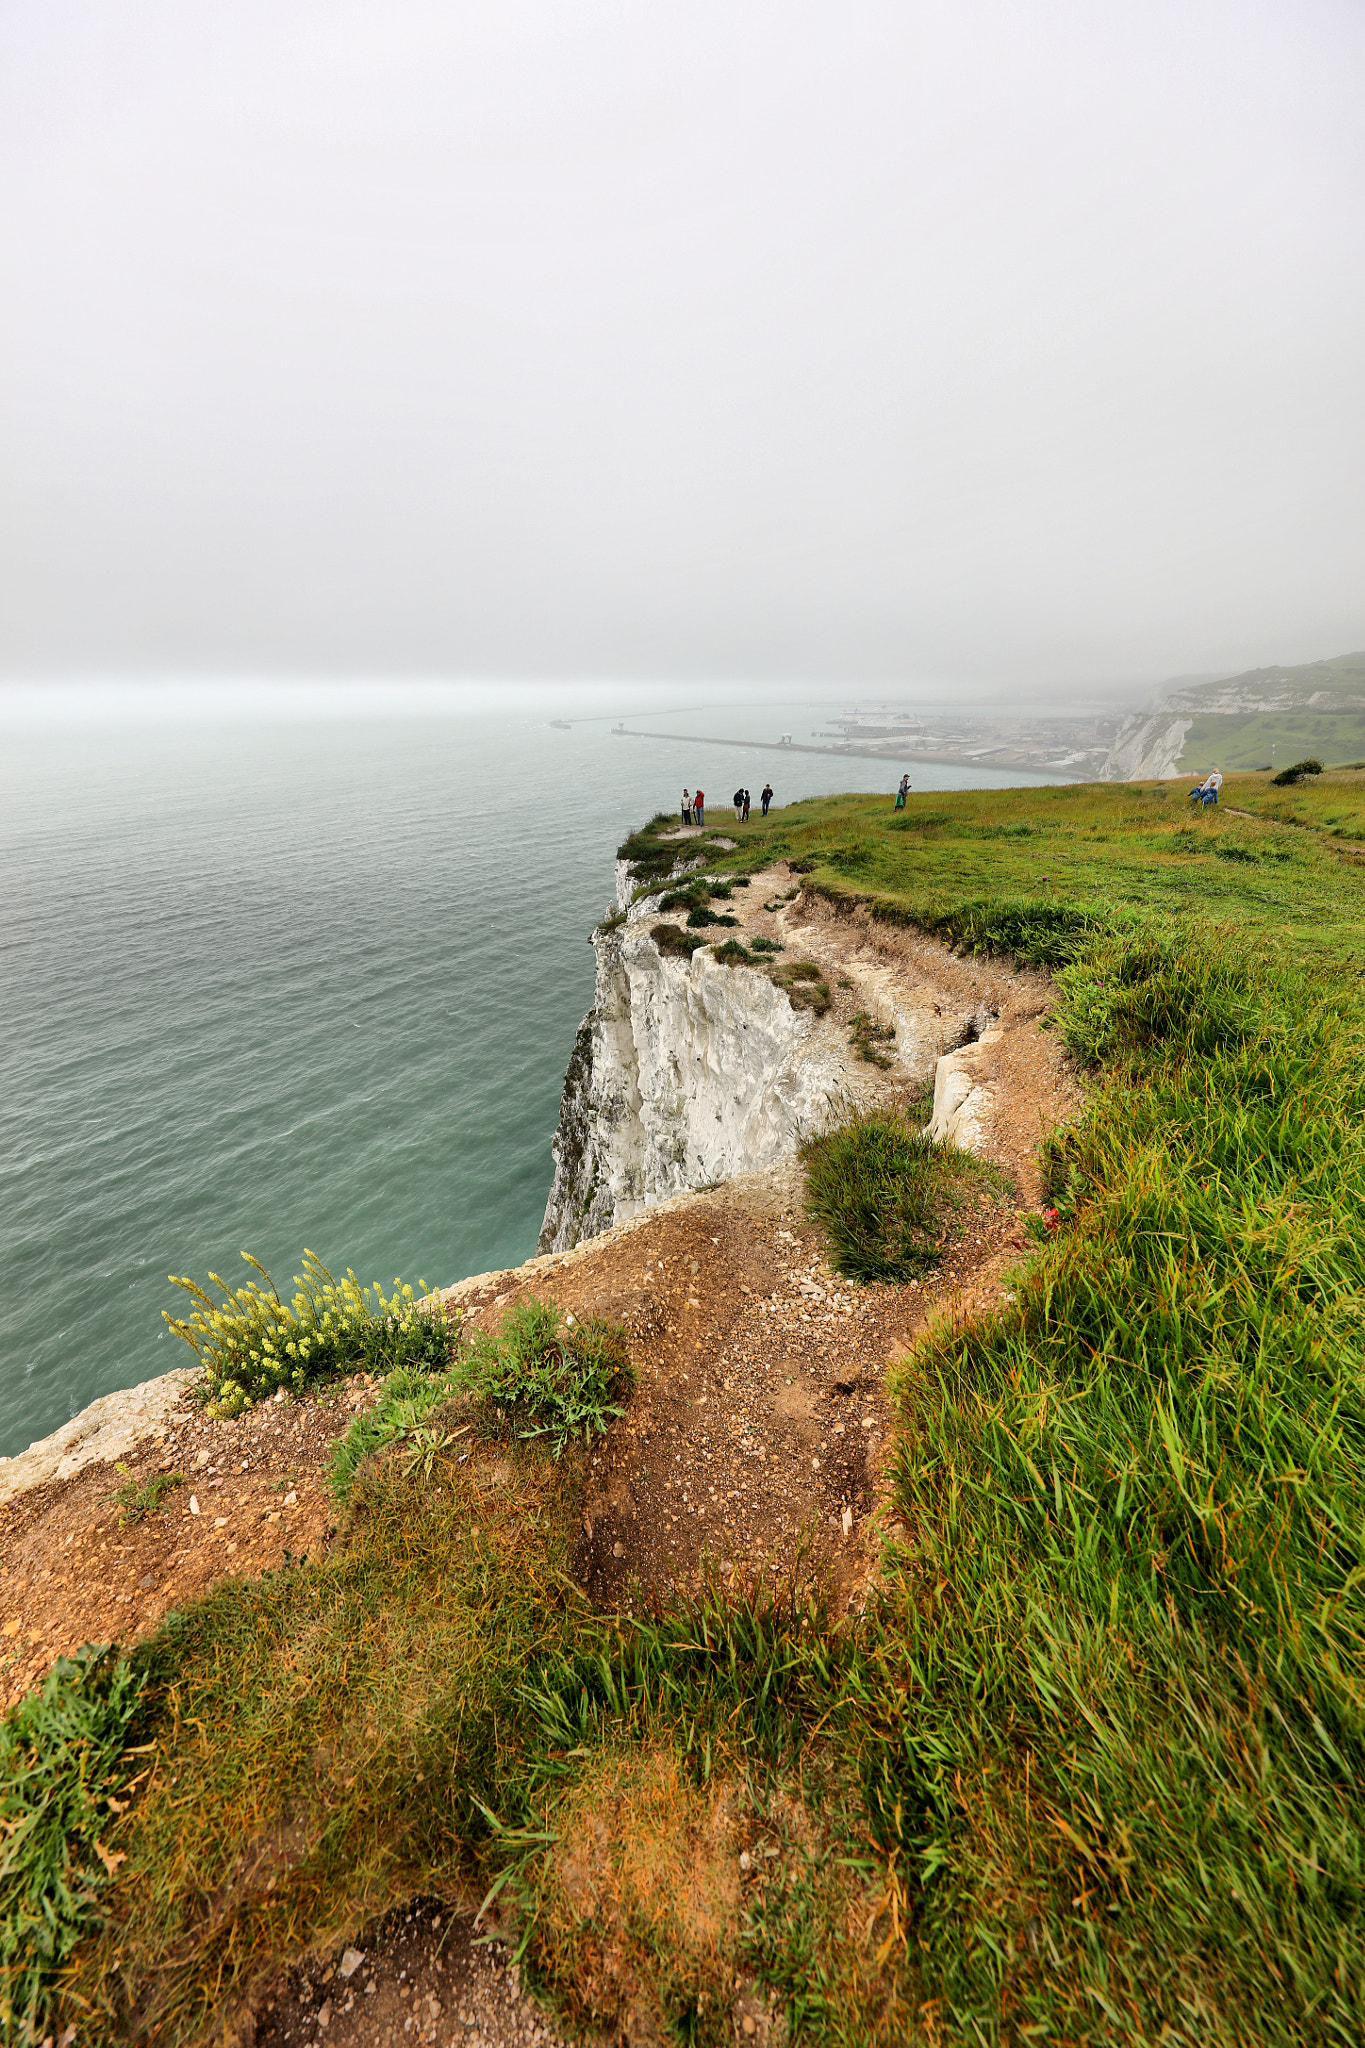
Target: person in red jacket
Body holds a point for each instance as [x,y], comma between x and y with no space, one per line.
[699,807]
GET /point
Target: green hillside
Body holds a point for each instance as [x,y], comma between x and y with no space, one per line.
[1232,740]
[1335,733]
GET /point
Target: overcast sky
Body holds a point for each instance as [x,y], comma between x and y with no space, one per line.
[950,344]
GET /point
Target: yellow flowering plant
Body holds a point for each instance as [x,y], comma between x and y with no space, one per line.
[251,1342]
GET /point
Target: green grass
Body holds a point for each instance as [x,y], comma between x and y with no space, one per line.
[672,939]
[556,1378]
[406,1399]
[135,1501]
[1094,851]
[1090,1766]
[802,983]
[1241,740]
[887,1194]
[870,1039]
[63,1764]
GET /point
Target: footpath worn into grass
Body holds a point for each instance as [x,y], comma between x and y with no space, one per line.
[1089,1768]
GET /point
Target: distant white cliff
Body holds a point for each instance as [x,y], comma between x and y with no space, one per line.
[1149,743]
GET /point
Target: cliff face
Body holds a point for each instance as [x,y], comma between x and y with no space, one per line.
[683,1073]
[1150,743]
[1147,747]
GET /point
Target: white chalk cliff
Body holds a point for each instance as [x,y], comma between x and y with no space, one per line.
[684,1073]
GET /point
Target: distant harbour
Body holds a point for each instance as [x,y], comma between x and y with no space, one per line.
[893,751]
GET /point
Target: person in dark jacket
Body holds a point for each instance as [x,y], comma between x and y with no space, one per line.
[766,797]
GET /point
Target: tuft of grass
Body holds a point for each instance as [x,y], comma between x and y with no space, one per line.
[408,1396]
[672,940]
[802,983]
[653,861]
[887,1194]
[869,1039]
[62,1766]
[560,1379]
[135,1501]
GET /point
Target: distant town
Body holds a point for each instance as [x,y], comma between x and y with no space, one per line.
[1077,747]
[1249,720]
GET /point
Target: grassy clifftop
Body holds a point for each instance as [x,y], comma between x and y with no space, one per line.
[1091,1767]
[1281,869]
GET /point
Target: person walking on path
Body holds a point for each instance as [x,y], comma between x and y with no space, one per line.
[686,808]
[766,797]
[901,792]
[745,819]
[699,807]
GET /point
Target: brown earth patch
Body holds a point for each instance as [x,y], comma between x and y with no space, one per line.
[757,1435]
[69,1574]
[424,1974]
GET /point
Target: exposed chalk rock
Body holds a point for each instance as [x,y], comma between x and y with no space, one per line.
[108,1429]
[683,1073]
[1146,747]
[963,1094]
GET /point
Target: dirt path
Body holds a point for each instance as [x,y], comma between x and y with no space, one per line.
[756,1434]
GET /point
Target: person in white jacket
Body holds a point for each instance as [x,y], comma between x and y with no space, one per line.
[1206,792]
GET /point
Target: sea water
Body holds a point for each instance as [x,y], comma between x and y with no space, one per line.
[268,985]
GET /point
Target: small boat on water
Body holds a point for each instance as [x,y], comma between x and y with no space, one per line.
[562,723]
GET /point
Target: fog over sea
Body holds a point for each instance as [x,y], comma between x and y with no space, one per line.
[269,985]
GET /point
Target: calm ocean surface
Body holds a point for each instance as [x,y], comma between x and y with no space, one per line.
[308,984]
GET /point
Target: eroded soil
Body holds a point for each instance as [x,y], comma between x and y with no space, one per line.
[423,1974]
[757,1432]
[251,1495]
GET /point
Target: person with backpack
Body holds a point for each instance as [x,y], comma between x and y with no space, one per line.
[901,792]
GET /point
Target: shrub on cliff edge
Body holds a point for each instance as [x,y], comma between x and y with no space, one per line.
[252,1343]
[887,1195]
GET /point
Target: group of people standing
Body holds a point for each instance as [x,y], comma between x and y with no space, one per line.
[694,807]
